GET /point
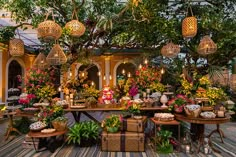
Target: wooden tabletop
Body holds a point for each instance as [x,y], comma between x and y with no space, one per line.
[200,120]
[158,122]
[39,134]
[112,107]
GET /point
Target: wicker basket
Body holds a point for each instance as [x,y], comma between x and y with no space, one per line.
[206,46]
[59,125]
[56,56]
[49,30]
[192,113]
[170,50]
[16,47]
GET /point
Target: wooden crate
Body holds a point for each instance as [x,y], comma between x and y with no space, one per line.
[134,125]
[123,141]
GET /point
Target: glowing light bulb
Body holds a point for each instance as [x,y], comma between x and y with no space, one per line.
[82,74]
[129,74]
[145,61]
[99,73]
[70,74]
[110,77]
[123,71]
[59,89]
[104,77]
[162,71]
[140,66]
[92,83]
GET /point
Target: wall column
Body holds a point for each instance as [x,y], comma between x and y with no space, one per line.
[107,69]
[1,77]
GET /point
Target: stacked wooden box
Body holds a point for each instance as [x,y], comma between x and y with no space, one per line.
[131,138]
[28,143]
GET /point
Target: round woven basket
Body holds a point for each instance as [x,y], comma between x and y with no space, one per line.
[49,30]
[16,47]
[189,27]
[76,28]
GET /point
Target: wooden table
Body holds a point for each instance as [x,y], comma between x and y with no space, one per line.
[200,127]
[38,134]
[10,125]
[104,108]
[159,123]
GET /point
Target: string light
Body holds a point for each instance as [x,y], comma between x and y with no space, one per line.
[123,71]
[162,71]
[59,88]
[99,73]
[140,66]
[129,74]
[92,83]
[110,77]
[104,77]
[146,61]
[82,74]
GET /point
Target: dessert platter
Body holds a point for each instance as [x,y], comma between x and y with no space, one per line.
[164,117]
[37,126]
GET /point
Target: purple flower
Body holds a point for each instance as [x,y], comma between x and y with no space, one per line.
[133,90]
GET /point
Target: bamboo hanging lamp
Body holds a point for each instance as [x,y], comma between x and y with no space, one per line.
[206,46]
[76,28]
[56,56]
[189,24]
[40,62]
[49,29]
[16,46]
[170,50]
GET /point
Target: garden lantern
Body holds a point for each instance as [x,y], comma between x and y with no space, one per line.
[170,50]
[40,62]
[16,47]
[56,55]
[206,46]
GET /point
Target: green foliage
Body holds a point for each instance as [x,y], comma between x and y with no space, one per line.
[22,125]
[6,33]
[163,141]
[83,130]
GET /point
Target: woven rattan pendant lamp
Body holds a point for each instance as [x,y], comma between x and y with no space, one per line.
[206,46]
[16,47]
[40,62]
[49,30]
[189,24]
[76,28]
[170,50]
[56,56]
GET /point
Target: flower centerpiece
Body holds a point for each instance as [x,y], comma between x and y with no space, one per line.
[112,123]
[107,95]
[177,104]
[133,108]
[133,91]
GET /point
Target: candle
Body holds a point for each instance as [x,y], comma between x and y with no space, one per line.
[206,150]
[144,94]
[220,113]
[187,148]
[71,96]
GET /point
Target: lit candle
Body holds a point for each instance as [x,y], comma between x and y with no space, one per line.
[187,148]
[129,74]
[71,96]
[145,61]
[59,89]
[144,94]
[92,83]
[70,74]
[221,114]
[140,66]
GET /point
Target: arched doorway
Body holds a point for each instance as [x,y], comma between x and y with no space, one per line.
[92,71]
[125,70]
[14,71]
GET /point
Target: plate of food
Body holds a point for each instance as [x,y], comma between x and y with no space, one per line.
[48,131]
[37,126]
[78,105]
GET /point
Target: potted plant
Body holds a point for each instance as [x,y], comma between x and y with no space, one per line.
[112,123]
[84,134]
[60,123]
[163,141]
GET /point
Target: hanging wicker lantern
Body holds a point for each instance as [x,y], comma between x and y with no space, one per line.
[170,50]
[40,62]
[49,30]
[76,28]
[16,47]
[189,25]
[206,46]
[56,56]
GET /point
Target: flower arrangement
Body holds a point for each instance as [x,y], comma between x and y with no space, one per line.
[91,91]
[112,121]
[156,86]
[107,95]
[49,113]
[46,92]
[132,107]
[119,90]
[133,90]
[215,94]
[146,75]
[177,104]
[27,100]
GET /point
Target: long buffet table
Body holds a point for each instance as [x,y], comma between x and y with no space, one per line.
[104,108]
